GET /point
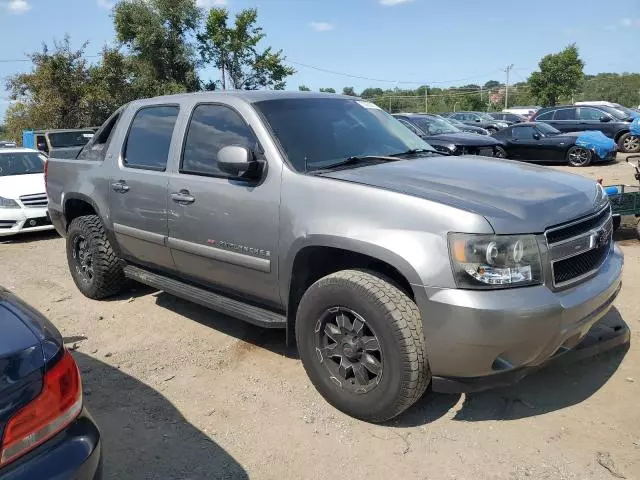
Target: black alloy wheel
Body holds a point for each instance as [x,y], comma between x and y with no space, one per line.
[83,259]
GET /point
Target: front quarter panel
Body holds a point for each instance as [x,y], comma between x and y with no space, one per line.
[406,232]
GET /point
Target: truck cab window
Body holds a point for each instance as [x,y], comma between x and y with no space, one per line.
[149,139]
[211,128]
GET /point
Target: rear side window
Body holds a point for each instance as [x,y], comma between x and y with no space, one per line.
[149,138]
[545,116]
[565,114]
[590,114]
[211,128]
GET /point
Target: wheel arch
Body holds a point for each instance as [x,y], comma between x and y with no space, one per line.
[620,134]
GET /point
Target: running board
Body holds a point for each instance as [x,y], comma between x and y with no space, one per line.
[219,303]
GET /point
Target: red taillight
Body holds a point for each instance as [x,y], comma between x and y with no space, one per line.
[57,405]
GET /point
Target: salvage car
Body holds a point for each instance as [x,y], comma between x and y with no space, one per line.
[23,200]
[610,121]
[464,127]
[393,266]
[541,142]
[479,119]
[45,431]
[446,138]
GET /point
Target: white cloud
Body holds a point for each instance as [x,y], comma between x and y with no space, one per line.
[106,4]
[630,22]
[321,26]
[393,3]
[210,3]
[18,6]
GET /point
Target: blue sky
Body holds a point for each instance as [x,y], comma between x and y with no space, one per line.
[440,43]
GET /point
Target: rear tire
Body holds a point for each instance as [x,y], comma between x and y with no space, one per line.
[94,266]
[579,156]
[628,143]
[339,362]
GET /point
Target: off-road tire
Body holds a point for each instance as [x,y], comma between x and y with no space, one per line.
[108,277]
[396,321]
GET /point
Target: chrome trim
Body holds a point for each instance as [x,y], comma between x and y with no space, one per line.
[575,222]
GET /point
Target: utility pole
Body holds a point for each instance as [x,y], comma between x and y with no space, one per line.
[506,91]
[426,100]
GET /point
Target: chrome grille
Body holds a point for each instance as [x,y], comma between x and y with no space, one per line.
[577,249]
[34,200]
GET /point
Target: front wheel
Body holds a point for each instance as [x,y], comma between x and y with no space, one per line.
[360,340]
[500,153]
[579,156]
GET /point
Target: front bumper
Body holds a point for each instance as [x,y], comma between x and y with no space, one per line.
[472,334]
[76,453]
[18,220]
[609,157]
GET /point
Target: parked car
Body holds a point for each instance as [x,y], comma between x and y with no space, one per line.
[61,143]
[525,111]
[479,119]
[23,200]
[613,123]
[466,128]
[7,144]
[543,143]
[508,117]
[46,432]
[392,265]
[446,138]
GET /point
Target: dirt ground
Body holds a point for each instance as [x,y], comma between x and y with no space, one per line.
[181,392]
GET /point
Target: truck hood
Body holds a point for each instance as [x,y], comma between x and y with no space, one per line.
[16,185]
[514,197]
[465,139]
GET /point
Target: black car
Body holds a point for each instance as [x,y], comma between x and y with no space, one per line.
[45,431]
[479,119]
[610,121]
[466,128]
[541,142]
[511,118]
[444,137]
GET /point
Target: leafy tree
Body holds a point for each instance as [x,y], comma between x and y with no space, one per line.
[491,84]
[52,95]
[304,88]
[372,92]
[234,51]
[349,91]
[560,75]
[157,33]
[328,90]
[613,87]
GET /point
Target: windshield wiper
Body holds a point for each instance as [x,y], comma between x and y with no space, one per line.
[355,160]
[415,151]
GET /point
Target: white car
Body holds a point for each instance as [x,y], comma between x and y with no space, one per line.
[23,198]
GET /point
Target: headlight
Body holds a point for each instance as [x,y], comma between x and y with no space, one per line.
[8,203]
[494,261]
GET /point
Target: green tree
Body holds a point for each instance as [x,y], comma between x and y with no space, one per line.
[491,84]
[328,90]
[234,51]
[349,91]
[304,88]
[372,92]
[157,34]
[52,95]
[560,75]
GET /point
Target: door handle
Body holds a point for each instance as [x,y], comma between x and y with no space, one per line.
[120,187]
[183,197]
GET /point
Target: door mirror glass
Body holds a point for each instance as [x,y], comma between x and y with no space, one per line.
[238,161]
[604,118]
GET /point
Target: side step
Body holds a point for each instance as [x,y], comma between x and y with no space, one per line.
[219,303]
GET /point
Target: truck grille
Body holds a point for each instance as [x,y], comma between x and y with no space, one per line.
[578,249]
[34,200]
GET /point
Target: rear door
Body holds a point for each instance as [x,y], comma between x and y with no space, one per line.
[223,232]
[566,119]
[138,182]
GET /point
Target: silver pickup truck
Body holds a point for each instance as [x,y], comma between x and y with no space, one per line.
[392,266]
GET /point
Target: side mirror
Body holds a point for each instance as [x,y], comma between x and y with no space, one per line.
[239,162]
[605,119]
[478,120]
[536,136]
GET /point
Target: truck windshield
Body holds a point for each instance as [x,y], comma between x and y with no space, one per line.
[70,139]
[20,164]
[317,132]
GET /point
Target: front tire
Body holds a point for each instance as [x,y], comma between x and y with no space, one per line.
[360,340]
[94,266]
[500,153]
[628,143]
[579,156]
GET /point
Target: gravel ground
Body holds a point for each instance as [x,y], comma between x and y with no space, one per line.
[181,392]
